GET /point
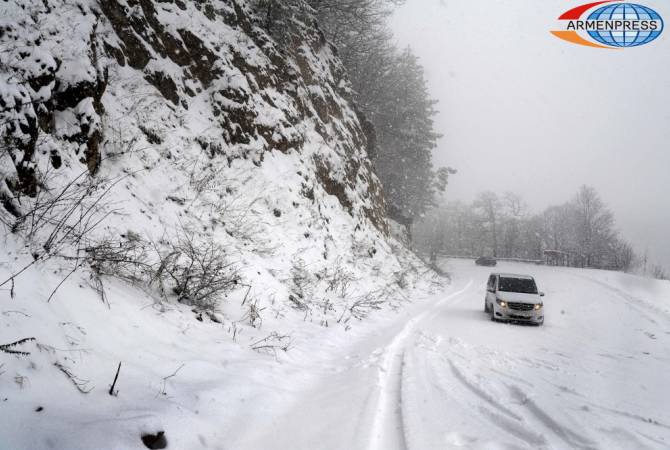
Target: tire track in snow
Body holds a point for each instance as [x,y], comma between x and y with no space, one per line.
[388,427]
[494,411]
[565,433]
[480,392]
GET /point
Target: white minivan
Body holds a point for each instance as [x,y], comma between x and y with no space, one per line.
[513,297]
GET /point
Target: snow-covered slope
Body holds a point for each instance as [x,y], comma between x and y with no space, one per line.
[142,140]
[194,124]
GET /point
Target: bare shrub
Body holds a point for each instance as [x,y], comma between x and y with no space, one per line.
[127,259]
[302,285]
[363,305]
[198,272]
[58,223]
[338,280]
[253,313]
[118,145]
[63,217]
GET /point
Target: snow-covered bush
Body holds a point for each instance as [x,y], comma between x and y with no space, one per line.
[127,259]
[302,284]
[198,272]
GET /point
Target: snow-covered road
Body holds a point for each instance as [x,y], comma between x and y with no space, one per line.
[441,375]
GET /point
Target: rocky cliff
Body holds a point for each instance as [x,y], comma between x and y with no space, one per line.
[196,119]
[182,182]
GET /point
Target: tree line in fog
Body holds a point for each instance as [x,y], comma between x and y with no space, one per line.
[581,232]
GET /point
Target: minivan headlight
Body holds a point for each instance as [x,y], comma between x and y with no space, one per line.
[538,306]
[501,302]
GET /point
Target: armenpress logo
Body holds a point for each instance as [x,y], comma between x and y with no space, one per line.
[610,24]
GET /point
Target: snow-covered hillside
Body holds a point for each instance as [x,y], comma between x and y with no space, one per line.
[135,127]
[185,194]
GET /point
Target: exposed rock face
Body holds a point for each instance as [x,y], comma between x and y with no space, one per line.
[214,56]
[198,117]
[51,89]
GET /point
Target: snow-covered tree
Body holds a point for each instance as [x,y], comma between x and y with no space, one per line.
[406,140]
[390,89]
[594,223]
[489,209]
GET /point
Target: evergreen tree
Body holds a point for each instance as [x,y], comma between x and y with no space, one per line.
[390,89]
[406,137]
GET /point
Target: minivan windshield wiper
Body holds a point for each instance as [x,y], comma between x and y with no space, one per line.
[524,286]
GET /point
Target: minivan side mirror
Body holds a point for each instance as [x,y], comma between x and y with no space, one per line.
[541,294]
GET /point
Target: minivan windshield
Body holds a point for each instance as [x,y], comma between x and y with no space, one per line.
[522,285]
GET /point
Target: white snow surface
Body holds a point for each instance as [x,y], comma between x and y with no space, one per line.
[426,370]
[433,374]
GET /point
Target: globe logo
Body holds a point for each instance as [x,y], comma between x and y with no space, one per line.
[610,24]
[622,12]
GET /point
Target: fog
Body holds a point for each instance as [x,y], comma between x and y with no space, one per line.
[523,111]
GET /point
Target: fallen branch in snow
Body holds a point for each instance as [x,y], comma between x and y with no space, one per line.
[99,287]
[244,300]
[116,377]
[8,348]
[173,374]
[6,313]
[79,383]
[14,275]
[74,269]
[273,342]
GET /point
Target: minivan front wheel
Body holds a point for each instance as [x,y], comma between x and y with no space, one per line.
[486,306]
[493,313]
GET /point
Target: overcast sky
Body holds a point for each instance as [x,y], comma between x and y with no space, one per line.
[521,110]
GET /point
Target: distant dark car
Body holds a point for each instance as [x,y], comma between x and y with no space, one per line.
[485,261]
